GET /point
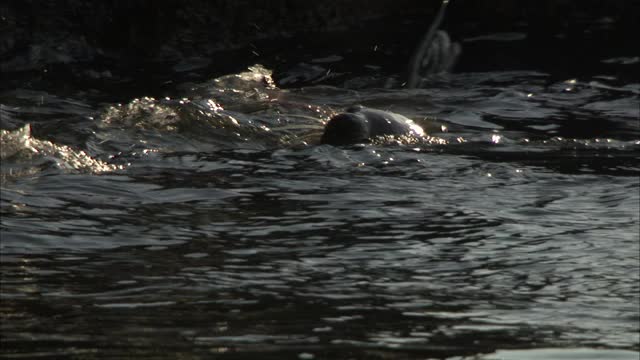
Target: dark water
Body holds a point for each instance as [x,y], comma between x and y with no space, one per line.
[210,225]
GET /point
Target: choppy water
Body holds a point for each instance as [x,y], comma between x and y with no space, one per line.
[209,224]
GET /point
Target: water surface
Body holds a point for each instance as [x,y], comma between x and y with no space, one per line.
[210,224]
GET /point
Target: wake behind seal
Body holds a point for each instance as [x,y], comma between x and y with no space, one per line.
[359,124]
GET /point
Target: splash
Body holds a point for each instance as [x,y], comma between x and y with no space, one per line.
[24,155]
[245,109]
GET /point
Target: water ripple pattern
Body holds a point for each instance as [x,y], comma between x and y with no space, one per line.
[212,224]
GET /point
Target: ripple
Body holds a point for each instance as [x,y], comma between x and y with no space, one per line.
[518,230]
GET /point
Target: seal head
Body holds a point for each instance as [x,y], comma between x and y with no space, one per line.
[359,124]
[346,128]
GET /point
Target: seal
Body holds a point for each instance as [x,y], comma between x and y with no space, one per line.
[359,124]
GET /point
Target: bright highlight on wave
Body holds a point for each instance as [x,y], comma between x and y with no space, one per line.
[33,155]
